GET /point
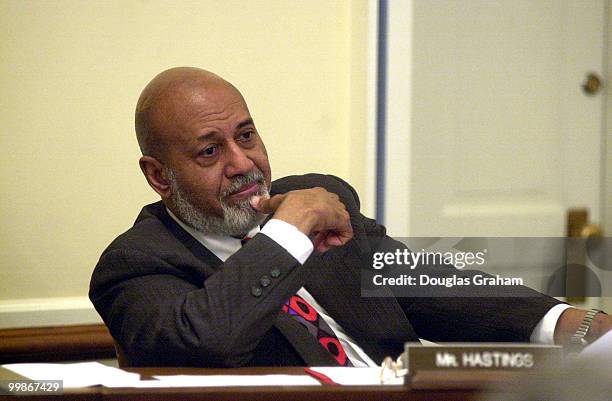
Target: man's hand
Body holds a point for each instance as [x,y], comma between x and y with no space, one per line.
[571,318]
[316,212]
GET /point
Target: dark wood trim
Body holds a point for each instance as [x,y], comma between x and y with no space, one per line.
[54,344]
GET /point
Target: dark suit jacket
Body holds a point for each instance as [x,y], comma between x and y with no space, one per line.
[168,300]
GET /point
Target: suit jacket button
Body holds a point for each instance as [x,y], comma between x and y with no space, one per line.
[264,281]
[256,291]
[275,273]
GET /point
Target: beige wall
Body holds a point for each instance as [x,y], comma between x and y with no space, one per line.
[70,74]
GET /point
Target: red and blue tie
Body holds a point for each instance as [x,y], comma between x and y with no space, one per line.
[303,312]
[308,316]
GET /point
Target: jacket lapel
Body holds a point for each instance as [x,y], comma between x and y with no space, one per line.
[378,325]
[193,245]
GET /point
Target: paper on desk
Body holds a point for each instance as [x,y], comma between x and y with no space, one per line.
[232,381]
[599,349]
[340,375]
[356,376]
[83,374]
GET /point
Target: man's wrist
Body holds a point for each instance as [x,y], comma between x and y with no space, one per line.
[567,325]
[571,320]
[602,323]
[544,332]
[290,238]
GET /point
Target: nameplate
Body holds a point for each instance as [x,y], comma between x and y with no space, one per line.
[494,356]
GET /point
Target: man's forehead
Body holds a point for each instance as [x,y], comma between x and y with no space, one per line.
[184,86]
[206,104]
[197,91]
[199,101]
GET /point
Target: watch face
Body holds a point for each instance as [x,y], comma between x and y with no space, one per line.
[577,340]
[577,344]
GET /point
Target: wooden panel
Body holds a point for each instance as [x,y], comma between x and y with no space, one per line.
[51,344]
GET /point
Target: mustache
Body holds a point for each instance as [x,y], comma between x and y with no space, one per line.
[254,176]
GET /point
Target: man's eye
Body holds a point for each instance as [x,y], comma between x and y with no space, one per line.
[246,136]
[209,151]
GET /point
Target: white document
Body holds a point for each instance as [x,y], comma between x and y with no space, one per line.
[601,349]
[84,374]
[233,380]
[356,376]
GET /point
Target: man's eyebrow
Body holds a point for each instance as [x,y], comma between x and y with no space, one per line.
[248,121]
[207,136]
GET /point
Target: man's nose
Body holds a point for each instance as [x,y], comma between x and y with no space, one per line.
[237,163]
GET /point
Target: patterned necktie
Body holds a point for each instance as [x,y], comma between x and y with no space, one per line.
[308,316]
[304,313]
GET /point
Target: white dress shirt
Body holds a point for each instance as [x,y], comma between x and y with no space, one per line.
[300,247]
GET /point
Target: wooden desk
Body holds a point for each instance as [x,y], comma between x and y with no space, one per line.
[54,344]
[297,393]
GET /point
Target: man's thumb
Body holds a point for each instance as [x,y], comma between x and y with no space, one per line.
[266,206]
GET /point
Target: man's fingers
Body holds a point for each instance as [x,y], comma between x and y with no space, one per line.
[317,240]
[267,206]
[333,240]
[323,241]
[346,234]
[342,234]
[315,212]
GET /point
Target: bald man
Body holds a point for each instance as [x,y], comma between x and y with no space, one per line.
[229,268]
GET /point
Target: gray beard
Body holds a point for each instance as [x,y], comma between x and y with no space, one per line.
[237,219]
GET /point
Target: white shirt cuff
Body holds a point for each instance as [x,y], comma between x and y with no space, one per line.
[289,237]
[544,332]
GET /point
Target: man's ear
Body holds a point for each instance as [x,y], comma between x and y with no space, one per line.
[154,173]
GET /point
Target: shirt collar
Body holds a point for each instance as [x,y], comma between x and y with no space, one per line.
[223,246]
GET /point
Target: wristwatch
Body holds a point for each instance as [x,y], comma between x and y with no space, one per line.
[577,341]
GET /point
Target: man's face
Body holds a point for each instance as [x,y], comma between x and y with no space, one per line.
[215,161]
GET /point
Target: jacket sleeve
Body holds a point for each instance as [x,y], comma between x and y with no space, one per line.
[161,316]
[502,317]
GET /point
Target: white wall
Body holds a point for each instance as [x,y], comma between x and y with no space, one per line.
[70,75]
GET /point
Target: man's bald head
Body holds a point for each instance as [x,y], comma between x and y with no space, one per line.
[201,151]
[166,99]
